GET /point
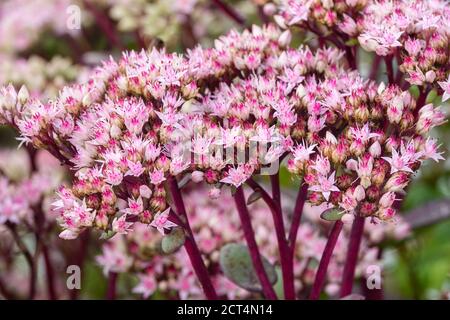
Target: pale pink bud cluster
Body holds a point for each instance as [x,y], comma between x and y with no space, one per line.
[415,32]
[370,145]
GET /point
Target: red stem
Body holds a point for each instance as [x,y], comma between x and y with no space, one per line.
[325,261]
[297,216]
[112,285]
[389,69]
[352,255]
[283,246]
[28,257]
[80,258]
[191,246]
[249,235]
[375,66]
[50,273]
[105,24]
[229,11]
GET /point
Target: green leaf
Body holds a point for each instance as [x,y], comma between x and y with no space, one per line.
[236,264]
[184,181]
[332,214]
[173,241]
[352,42]
[255,196]
[431,96]
[106,235]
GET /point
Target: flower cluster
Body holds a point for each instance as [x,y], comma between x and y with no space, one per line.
[127,130]
[22,187]
[170,21]
[120,130]
[370,143]
[43,79]
[22,22]
[415,32]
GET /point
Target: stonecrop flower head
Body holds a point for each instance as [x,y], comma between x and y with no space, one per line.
[415,32]
[372,142]
[121,132]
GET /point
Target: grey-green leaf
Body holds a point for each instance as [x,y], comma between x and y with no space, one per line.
[236,264]
[184,181]
[106,235]
[255,196]
[332,214]
[173,241]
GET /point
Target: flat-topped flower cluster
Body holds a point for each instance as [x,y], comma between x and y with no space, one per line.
[224,114]
[415,32]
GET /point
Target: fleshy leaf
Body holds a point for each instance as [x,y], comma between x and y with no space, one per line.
[173,241]
[236,264]
[255,196]
[107,235]
[332,214]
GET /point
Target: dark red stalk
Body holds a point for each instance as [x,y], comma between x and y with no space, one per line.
[28,257]
[389,69]
[80,258]
[229,11]
[249,235]
[352,256]
[190,245]
[50,274]
[104,24]
[283,246]
[325,260]
[375,66]
[112,286]
[297,215]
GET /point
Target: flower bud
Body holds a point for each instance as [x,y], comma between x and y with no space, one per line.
[23,95]
[386,213]
[145,191]
[197,176]
[285,38]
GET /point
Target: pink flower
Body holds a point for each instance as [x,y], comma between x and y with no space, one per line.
[135,206]
[236,176]
[152,152]
[302,151]
[121,226]
[134,169]
[113,259]
[430,148]
[147,285]
[325,185]
[161,221]
[445,85]
[157,177]
[145,191]
[387,199]
[398,162]
[322,165]
[113,176]
[214,193]
[363,134]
